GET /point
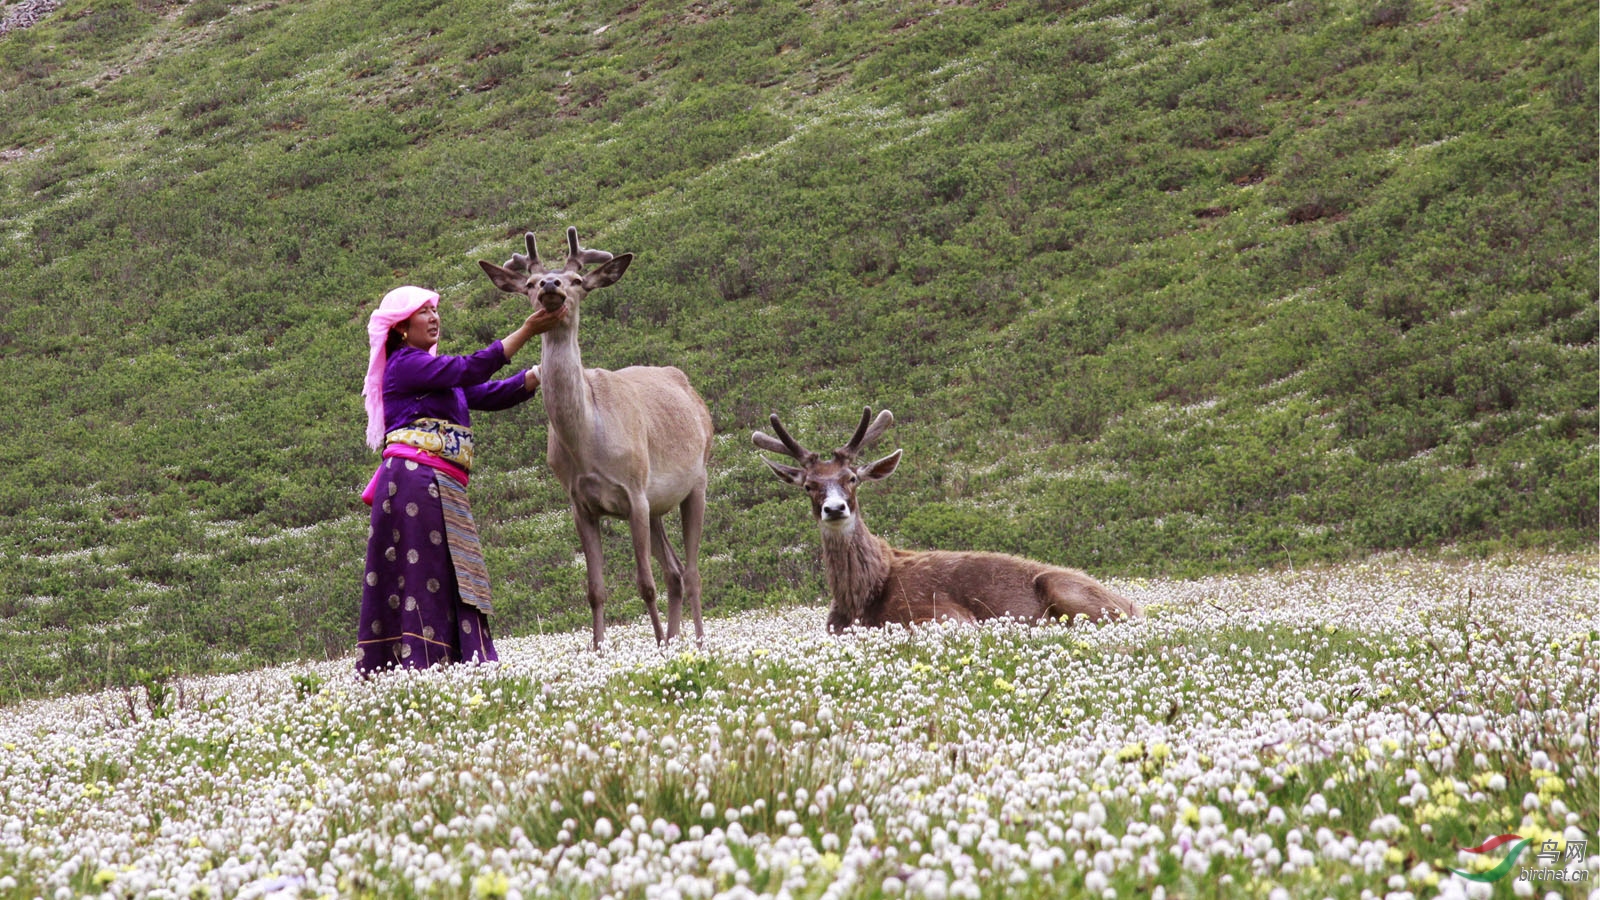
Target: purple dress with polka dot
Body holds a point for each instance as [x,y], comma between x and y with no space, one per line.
[411,609]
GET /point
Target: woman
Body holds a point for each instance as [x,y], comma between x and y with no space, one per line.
[426,596]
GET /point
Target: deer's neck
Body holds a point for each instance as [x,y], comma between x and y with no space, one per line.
[566,394]
[857,565]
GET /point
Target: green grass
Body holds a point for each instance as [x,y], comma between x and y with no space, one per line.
[1151,288]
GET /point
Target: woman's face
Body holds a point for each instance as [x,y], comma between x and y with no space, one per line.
[422,329]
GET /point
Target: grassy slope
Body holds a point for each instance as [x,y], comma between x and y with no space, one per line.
[1150,287]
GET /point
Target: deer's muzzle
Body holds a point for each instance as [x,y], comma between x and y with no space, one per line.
[552,301]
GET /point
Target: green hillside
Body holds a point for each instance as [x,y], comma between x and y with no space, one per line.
[1152,288]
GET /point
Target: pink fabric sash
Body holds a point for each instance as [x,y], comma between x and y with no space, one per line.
[405,451]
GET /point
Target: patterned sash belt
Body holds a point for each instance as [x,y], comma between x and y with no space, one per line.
[446,440]
[461,535]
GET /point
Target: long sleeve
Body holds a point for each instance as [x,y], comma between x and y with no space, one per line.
[417,385]
[413,371]
[502,394]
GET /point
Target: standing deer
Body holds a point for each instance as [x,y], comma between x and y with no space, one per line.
[873,583]
[630,444]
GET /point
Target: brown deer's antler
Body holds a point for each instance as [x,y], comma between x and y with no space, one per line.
[526,265]
[783,443]
[865,434]
[578,257]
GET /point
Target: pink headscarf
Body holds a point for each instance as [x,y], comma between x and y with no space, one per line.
[398,305]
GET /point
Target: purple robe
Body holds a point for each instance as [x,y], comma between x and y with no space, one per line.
[411,609]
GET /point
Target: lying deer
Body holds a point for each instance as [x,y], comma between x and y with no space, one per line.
[631,444]
[874,584]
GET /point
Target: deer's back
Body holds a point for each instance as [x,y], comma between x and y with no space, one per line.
[657,401]
[928,585]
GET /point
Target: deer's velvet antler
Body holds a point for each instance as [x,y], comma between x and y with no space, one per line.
[865,435]
[578,257]
[527,265]
[783,443]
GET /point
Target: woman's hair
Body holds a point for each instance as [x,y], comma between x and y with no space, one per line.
[394,341]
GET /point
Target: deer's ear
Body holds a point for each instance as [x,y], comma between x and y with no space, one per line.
[504,279]
[788,474]
[881,469]
[607,274]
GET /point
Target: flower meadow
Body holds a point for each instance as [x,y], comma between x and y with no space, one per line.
[1348,732]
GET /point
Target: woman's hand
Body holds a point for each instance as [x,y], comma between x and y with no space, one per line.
[538,323]
[543,320]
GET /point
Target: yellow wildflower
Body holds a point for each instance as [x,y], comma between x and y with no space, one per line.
[1536,833]
[1433,812]
[1547,782]
[1482,862]
[1444,791]
[491,885]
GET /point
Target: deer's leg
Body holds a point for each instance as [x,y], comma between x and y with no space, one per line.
[589,539]
[672,568]
[693,512]
[901,608]
[639,526]
[1067,595]
[938,608]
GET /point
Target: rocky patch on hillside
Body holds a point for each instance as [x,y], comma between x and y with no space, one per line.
[26,13]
